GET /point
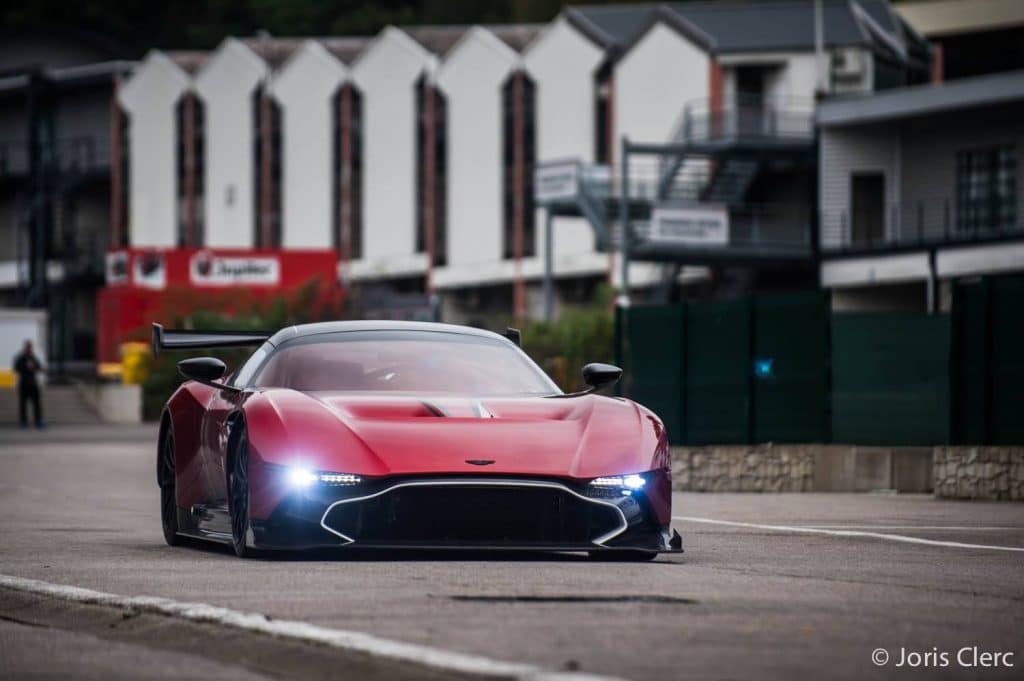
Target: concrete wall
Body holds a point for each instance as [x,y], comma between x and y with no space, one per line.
[149,98]
[305,88]
[226,85]
[386,75]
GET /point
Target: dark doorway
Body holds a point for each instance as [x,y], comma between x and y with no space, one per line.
[867,208]
[750,99]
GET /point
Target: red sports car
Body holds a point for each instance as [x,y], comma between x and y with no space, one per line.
[405,435]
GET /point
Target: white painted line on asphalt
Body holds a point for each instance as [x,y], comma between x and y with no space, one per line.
[354,641]
[970,528]
[849,533]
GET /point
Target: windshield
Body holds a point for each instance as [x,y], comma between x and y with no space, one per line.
[404,361]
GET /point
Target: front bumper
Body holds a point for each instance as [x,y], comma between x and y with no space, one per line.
[464,513]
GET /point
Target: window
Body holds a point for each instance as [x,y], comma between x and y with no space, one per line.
[190,168]
[525,140]
[438,174]
[267,180]
[403,361]
[348,171]
[986,189]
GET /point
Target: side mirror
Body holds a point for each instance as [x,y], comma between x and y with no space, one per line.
[203,370]
[598,375]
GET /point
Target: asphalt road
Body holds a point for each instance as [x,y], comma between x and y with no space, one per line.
[757,599]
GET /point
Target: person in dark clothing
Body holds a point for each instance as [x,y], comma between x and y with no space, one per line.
[26,366]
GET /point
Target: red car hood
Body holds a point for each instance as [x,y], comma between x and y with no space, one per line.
[579,437]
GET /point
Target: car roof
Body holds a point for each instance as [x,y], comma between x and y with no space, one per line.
[303,330]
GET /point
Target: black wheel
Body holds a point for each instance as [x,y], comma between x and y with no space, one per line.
[165,478]
[238,493]
[623,556]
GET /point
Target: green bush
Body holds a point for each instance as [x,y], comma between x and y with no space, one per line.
[580,335]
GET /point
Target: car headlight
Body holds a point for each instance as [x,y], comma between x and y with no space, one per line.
[302,478]
[622,484]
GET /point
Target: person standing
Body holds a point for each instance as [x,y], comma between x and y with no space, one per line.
[27,366]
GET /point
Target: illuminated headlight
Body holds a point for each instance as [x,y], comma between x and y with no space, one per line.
[301,478]
[626,483]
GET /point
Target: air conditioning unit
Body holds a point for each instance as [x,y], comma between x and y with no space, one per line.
[848,64]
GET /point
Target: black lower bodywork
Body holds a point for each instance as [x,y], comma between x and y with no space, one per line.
[465,513]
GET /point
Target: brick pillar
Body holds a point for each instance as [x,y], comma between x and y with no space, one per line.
[518,189]
[938,64]
[716,96]
[429,181]
[611,164]
[345,179]
[266,172]
[116,181]
[189,133]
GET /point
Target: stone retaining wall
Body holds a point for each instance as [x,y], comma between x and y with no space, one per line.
[995,473]
[755,468]
[801,468]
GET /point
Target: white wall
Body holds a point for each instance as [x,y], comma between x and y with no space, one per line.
[844,152]
[226,85]
[149,98]
[562,63]
[471,79]
[654,81]
[386,75]
[305,87]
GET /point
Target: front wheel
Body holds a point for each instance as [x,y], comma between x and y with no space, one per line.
[165,478]
[238,484]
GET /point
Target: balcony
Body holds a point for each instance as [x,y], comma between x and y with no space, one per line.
[915,225]
[685,223]
[746,122]
[79,155]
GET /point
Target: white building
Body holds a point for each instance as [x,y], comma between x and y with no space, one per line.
[413,152]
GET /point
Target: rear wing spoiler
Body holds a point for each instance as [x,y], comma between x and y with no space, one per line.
[180,339]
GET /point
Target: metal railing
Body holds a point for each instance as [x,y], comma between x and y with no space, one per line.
[747,118]
[925,222]
[78,154]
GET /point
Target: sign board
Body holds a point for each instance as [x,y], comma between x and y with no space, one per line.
[699,225]
[149,270]
[209,269]
[556,181]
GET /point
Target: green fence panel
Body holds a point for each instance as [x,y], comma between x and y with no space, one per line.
[890,380]
[718,372]
[970,369]
[790,367]
[654,341]
[1006,425]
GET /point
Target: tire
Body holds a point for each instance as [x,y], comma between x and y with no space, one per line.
[238,497]
[166,479]
[623,556]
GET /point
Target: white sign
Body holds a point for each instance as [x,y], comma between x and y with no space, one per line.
[117,267]
[209,269]
[703,225]
[149,270]
[556,181]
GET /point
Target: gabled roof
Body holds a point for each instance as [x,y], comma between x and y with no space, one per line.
[189,61]
[435,39]
[749,25]
[346,49]
[274,51]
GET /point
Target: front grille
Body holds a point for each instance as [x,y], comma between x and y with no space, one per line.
[469,513]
